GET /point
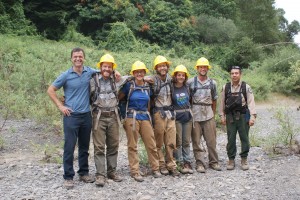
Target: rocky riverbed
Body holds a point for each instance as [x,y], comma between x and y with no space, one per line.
[23,174]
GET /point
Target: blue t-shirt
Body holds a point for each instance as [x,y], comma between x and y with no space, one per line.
[76,88]
[138,100]
[181,100]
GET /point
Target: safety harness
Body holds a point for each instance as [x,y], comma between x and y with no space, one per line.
[206,87]
[233,101]
[186,109]
[97,95]
[165,111]
[146,89]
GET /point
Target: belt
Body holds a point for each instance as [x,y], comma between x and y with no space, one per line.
[135,112]
[202,104]
[106,112]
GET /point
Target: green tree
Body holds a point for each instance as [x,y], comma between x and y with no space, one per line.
[258,20]
[50,17]
[215,8]
[215,30]
[12,18]
[288,30]
[97,15]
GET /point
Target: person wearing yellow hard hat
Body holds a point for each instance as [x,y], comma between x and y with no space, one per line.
[182,107]
[76,115]
[138,121]
[106,122]
[204,101]
[164,116]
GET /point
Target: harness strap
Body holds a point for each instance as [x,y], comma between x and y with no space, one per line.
[100,110]
[135,112]
[97,121]
[186,110]
[202,104]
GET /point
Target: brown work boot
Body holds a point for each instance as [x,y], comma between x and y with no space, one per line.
[68,184]
[114,176]
[100,181]
[138,178]
[200,168]
[174,172]
[244,164]
[182,169]
[86,179]
[216,167]
[164,171]
[156,174]
[230,164]
[189,168]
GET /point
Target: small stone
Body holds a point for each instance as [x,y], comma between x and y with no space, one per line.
[146,197]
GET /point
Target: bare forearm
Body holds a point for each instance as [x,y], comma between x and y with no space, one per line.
[53,96]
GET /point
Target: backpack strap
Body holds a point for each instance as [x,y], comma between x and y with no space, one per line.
[131,90]
[93,97]
[195,86]
[158,86]
[244,92]
[227,90]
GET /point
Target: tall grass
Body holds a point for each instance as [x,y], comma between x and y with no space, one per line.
[28,65]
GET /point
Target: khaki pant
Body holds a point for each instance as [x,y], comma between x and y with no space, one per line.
[107,134]
[165,134]
[145,130]
[207,129]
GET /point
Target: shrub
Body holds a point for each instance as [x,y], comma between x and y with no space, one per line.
[71,35]
[121,38]
[286,131]
[215,30]
[260,84]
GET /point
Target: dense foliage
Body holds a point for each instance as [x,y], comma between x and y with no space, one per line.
[252,34]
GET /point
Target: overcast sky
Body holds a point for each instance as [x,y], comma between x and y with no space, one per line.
[292,12]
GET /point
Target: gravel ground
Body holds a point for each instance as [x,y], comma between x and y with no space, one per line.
[23,175]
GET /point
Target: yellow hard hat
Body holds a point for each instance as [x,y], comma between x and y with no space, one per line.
[138,65]
[202,62]
[160,59]
[181,68]
[107,58]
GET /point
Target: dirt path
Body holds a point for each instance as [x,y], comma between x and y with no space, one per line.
[24,176]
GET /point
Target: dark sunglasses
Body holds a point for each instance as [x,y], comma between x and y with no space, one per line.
[236,67]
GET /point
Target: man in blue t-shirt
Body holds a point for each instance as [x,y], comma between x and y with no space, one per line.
[77,120]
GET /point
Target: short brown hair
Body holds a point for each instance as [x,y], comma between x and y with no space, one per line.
[77,49]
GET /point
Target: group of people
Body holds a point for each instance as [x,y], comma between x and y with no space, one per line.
[168,112]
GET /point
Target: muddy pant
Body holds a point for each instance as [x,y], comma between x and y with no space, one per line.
[107,134]
[242,127]
[183,140]
[165,134]
[207,129]
[145,130]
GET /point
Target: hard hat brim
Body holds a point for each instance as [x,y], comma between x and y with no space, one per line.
[114,65]
[208,66]
[168,62]
[131,72]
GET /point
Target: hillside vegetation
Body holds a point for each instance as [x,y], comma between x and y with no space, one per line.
[37,37]
[28,65]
